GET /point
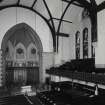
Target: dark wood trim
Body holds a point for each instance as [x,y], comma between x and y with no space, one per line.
[76,4]
[63,34]
[34,3]
[101,6]
[85,3]
[93,16]
[89,77]
[62,20]
[62,16]
[50,15]
[80,3]
[44,18]
[18,2]
[14,68]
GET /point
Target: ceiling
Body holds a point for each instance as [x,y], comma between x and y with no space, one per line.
[52,10]
[97,1]
[30,2]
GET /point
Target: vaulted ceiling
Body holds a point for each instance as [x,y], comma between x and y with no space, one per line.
[52,10]
[33,3]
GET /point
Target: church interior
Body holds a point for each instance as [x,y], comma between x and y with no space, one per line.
[52,52]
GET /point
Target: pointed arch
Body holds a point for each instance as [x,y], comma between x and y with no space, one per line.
[33,35]
[20,52]
[32,52]
[34,38]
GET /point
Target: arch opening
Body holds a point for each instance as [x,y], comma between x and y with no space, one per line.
[22,53]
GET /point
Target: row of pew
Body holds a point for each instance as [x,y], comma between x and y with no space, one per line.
[63,93]
[82,69]
[54,98]
[80,65]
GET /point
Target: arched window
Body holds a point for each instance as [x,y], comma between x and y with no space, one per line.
[85,43]
[77,45]
[20,51]
[77,37]
[33,51]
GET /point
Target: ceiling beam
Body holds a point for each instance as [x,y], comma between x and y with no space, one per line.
[74,3]
[50,15]
[85,3]
[101,6]
[33,3]
[82,3]
[38,13]
[62,20]
[63,34]
[52,22]
[18,2]
[93,16]
[79,5]
[93,5]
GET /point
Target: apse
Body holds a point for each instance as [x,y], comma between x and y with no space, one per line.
[22,55]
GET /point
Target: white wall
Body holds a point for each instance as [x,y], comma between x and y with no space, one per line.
[100,48]
[66,50]
[67,44]
[48,61]
[12,16]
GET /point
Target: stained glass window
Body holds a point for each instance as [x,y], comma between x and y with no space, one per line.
[19,51]
[77,36]
[85,43]
[33,51]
